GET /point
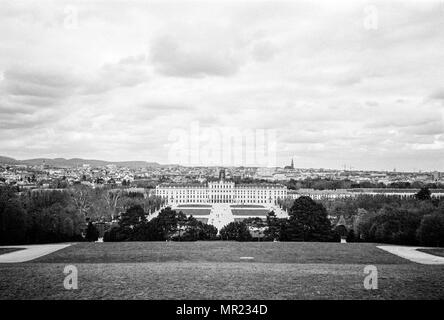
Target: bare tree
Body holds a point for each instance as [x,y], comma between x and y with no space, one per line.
[82,199]
[112,199]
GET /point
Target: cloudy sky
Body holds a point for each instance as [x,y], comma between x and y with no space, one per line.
[356,83]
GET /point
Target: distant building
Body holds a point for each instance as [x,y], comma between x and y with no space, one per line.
[265,173]
[44,165]
[222,191]
[291,166]
[346,193]
[222,174]
[321,194]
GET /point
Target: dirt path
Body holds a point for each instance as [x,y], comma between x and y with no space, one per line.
[30,252]
[412,254]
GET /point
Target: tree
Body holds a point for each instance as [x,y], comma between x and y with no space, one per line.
[351,236]
[68,227]
[431,230]
[256,227]
[341,230]
[112,198]
[236,230]
[182,224]
[423,194]
[81,198]
[115,234]
[92,234]
[392,225]
[194,230]
[131,227]
[275,228]
[132,217]
[254,222]
[207,231]
[38,217]
[361,214]
[169,223]
[12,218]
[308,221]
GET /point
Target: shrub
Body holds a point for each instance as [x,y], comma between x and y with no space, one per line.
[391,225]
[308,221]
[115,234]
[235,231]
[351,236]
[92,234]
[423,194]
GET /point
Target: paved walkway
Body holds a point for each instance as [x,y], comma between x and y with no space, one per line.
[220,215]
[30,252]
[412,254]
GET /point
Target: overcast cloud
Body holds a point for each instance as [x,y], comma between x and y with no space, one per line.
[110,80]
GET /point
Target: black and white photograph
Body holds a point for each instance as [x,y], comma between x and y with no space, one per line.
[219,150]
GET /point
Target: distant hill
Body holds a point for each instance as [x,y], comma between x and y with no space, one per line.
[7,160]
[76,162]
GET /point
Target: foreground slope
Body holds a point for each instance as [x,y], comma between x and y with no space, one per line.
[218,270]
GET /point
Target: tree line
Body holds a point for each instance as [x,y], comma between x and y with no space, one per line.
[390,219]
[308,221]
[45,216]
[167,225]
[57,216]
[332,184]
[38,218]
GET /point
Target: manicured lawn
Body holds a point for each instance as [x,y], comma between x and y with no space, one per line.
[8,250]
[194,206]
[214,270]
[220,281]
[436,252]
[223,251]
[249,212]
[244,218]
[196,212]
[246,206]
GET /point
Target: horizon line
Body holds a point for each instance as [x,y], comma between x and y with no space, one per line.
[226,166]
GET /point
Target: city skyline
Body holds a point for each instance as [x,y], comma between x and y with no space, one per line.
[344,167]
[346,83]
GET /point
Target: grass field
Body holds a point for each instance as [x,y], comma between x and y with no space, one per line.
[246,206]
[215,270]
[249,212]
[204,220]
[196,212]
[194,205]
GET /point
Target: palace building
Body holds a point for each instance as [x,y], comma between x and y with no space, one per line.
[222,191]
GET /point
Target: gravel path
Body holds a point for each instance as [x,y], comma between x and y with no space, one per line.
[412,254]
[30,252]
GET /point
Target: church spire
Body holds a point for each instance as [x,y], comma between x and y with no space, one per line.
[222,174]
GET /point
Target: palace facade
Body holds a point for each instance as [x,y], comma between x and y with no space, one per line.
[222,191]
